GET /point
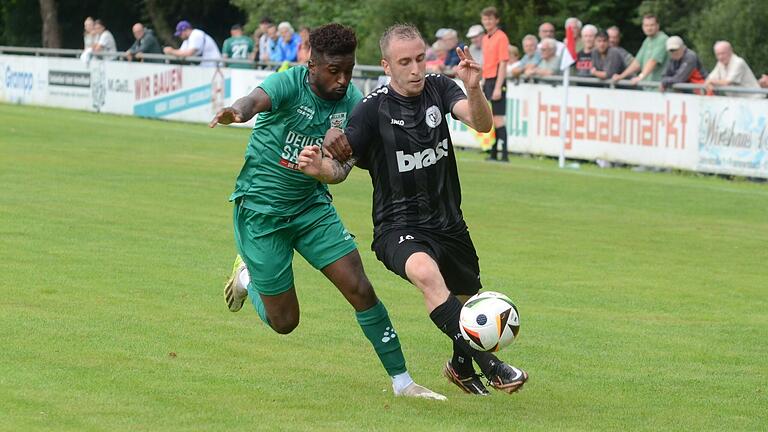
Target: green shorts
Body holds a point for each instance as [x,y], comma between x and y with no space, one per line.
[266,243]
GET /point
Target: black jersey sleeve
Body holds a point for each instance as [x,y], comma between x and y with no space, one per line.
[361,130]
[450,92]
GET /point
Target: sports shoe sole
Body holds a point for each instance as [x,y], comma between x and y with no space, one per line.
[454,378]
[234,304]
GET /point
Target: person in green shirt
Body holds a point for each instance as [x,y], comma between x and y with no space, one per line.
[238,47]
[652,58]
[279,209]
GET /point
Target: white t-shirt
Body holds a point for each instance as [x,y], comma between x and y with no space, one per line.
[738,74]
[107,43]
[204,46]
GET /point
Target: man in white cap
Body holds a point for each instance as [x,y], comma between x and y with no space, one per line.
[195,43]
[475,36]
[684,65]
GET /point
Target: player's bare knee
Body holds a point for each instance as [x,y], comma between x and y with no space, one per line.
[284,325]
[422,271]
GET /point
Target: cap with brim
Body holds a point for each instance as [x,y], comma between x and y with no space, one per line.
[181,26]
[475,30]
[674,43]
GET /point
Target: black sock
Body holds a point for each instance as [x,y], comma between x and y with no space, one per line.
[446,318]
[501,141]
[462,363]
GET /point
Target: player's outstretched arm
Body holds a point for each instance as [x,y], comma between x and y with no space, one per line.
[474,111]
[324,169]
[243,109]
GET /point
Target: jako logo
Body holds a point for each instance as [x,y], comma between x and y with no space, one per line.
[18,80]
[422,159]
[397,122]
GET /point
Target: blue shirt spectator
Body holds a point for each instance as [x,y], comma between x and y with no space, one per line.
[288,43]
[450,39]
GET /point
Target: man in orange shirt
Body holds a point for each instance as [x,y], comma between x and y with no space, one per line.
[495,59]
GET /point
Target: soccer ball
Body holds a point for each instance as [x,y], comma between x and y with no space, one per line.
[489,321]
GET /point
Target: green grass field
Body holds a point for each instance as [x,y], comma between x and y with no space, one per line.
[643,296]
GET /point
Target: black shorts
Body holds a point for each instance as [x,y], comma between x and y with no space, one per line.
[498,107]
[454,253]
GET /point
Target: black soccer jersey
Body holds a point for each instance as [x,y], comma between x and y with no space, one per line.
[405,145]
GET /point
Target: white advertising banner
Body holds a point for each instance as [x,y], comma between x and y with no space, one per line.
[709,134]
[733,137]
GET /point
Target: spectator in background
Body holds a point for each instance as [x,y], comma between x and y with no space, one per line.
[288,43]
[105,42]
[731,70]
[763,81]
[89,38]
[495,59]
[238,47]
[684,65]
[475,36]
[574,23]
[651,60]
[514,59]
[304,51]
[145,43]
[606,60]
[450,40]
[435,57]
[550,62]
[614,41]
[195,43]
[264,39]
[530,60]
[584,56]
[547,31]
[273,44]
[256,37]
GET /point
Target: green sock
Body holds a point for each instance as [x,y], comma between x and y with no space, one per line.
[379,330]
[258,304]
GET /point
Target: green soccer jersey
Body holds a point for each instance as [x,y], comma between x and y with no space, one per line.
[238,48]
[270,181]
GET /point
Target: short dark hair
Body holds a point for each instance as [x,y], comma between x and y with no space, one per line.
[266,20]
[236,27]
[99,22]
[490,11]
[332,39]
[399,31]
[602,34]
[651,16]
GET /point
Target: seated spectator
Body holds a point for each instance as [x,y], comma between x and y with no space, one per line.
[651,60]
[195,43]
[550,62]
[606,60]
[684,65]
[584,56]
[614,41]
[146,43]
[763,81]
[105,42]
[475,35]
[547,30]
[450,41]
[530,59]
[731,70]
[89,38]
[303,55]
[288,44]
[435,57]
[264,39]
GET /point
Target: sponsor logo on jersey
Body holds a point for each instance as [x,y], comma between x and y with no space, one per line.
[306,111]
[421,159]
[337,119]
[433,116]
[294,142]
[398,122]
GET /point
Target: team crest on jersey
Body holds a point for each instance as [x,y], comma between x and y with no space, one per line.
[337,120]
[434,117]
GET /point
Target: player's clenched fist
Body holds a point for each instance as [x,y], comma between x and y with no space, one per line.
[226,116]
[310,160]
[335,144]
